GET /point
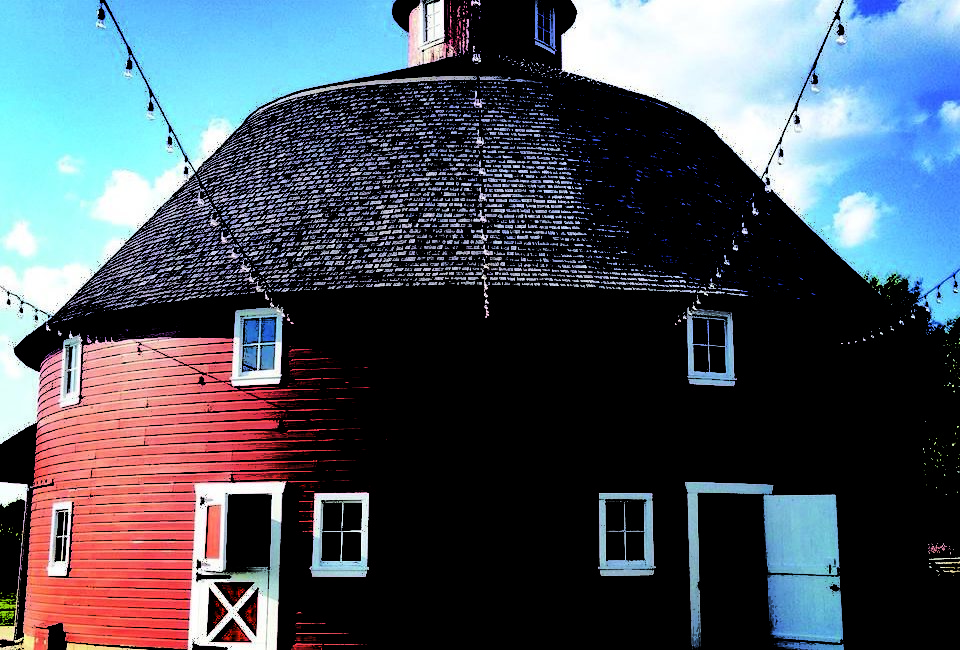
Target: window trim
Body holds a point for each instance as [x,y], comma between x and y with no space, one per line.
[701,378]
[256,377]
[60,568]
[424,43]
[643,567]
[69,398]
[340,568]
[551,12]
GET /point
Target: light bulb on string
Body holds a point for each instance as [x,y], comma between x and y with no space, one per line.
[766,184]
[753,206]
[797,127]
[100,17]
[815,83]
[939,297]
[780,156]
[128,71]
[186,168]
[841,35]
[214,222]
[726,262]
[170,140]
[956,287]
[150,115]
[200,197]
[743,229]
[735,247]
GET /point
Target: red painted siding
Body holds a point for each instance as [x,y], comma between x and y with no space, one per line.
[128,457]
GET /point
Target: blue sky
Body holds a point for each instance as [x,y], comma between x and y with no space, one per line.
[874,171]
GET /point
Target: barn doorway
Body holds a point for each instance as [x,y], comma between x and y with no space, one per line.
[236,587]
[733,572]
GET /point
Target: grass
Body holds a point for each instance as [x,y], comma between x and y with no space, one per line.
[8,605]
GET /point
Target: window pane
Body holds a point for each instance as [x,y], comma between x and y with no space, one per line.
[59,549]
[634,514]
[61,522]
[351,547]
[68,382]
[717,331]
[268,332]
[266,357]
[614,515]
[332,515]
[634,546]
[251,327]
[248,531]
[351,516]
[615,546]
[718,361]
[329,547]
[68,352]
[700,361]
[249,358]
[700,331]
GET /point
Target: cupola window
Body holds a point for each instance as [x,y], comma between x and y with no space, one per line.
[545,34]
[432,21]
[257,344]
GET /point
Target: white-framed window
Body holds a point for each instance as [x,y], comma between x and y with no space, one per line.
[61,522]
[340,534]
[545,25]
[432,23]
[626,534]
[70,372]
[257,347]
[710,348]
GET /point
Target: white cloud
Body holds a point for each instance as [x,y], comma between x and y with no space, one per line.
[950,114]
[21,240]
[128,199]
[49,288]
[216,133]
[110,248]
[855,220]
[10,365]
[68,165]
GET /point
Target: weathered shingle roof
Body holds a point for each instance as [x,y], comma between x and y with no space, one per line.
[375,183]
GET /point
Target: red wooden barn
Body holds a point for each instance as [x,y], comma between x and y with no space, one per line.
[379,463]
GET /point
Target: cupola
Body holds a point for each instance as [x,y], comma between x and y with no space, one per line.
[528,30]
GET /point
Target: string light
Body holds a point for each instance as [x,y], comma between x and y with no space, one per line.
[780,157]
[150,115]
[100,17]
[169,140]
[128,71]
[797,128]
[841,33]
[815,84]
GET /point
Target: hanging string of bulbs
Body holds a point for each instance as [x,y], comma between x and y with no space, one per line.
[205,197]
[481,171]
[23,302]
[912,313]
[812,82]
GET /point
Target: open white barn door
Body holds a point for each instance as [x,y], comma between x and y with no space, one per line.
[803,571]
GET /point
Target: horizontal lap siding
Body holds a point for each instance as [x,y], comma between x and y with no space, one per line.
[128,457]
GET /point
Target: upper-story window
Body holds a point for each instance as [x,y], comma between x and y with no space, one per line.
[257,345]
[432,20]
[545,35]
[70,372]
[58,561]
[710,348]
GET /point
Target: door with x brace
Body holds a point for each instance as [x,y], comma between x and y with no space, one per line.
[233,602]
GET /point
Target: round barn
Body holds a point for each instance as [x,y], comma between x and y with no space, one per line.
[369,384]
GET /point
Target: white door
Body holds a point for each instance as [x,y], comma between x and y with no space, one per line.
[236,554]
[803,571]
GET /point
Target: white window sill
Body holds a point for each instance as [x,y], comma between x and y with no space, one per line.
[712,381]
[627,572]
[58,570]
[546,46]
[433,43]
[338,572]
[255,380]
[70,400]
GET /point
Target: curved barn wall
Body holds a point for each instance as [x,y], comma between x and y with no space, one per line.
[128,457]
